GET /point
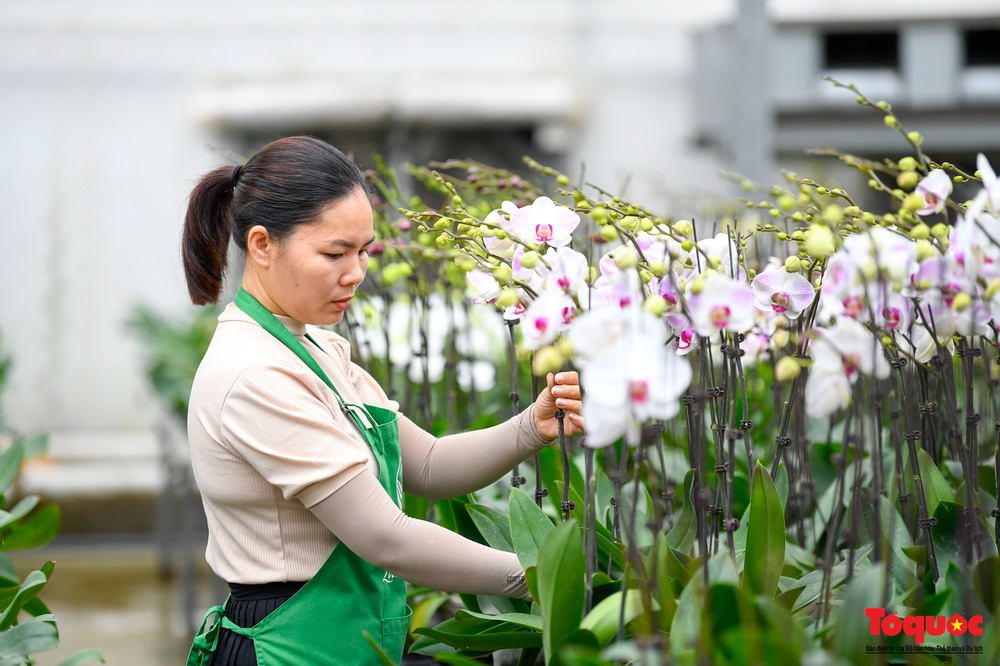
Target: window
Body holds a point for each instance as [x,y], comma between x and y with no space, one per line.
[982,47]
[861,50]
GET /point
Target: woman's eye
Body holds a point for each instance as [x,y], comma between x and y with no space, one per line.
[364,251]
[335,256]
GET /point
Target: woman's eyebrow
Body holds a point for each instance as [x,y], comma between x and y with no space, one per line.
[347,243]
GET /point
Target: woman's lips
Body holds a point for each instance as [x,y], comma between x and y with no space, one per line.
[342,305]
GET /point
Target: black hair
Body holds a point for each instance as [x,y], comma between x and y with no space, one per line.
[286,183]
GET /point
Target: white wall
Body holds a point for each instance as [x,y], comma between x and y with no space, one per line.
[107,110]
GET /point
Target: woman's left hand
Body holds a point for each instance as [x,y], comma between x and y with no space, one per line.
[562,392]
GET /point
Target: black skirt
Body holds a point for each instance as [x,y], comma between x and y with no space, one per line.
[248,605]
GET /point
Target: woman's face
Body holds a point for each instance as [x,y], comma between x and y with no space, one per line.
[318,267]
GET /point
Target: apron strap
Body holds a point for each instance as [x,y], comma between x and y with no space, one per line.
[250,305]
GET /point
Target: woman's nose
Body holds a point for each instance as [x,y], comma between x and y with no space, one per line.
[356,274]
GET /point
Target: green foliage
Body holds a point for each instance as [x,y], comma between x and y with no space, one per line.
[561,585]
[6,362]
[28,524]
[173,347]
[765,554]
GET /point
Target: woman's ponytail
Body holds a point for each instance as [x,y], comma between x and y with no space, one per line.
[205,243]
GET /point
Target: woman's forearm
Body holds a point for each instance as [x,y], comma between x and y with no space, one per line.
[461,463]
[364,518]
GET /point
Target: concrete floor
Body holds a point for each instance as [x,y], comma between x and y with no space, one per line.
[111,596]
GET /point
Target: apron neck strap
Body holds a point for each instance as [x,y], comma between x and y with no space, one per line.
[250,305]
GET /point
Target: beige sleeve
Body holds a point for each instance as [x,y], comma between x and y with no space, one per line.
[283,421]
[457,464]
[362,515]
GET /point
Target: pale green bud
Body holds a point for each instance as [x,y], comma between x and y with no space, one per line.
[655,305]
[961,302]
[819,241]
[530,259]
[503,274]
[925,250]
[547,359]
[920,232]
[507,298]
[907,180]
[913,202]
[626,257]
[787,369]
[793,264]
[630,223]
[683,228]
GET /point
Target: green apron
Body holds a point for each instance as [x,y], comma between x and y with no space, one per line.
[322,623]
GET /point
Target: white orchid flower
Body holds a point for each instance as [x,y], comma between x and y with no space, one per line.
[483,286]
[840,355]
[635,379]
[504,247]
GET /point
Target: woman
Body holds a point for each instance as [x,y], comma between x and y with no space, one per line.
[300,457]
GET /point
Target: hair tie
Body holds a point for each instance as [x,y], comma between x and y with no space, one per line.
[234,176]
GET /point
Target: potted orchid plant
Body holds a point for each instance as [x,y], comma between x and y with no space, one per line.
[783,453]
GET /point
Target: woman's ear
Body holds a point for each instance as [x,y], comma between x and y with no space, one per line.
[260,246]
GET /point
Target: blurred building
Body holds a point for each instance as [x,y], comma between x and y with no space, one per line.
[111,110]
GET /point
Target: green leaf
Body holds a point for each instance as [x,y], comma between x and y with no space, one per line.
[424,611]
[33,582]
[30,637]
[682,535]
[936,488]
[945,535]
[526,620]
[83,657]
[602,620]
[986,582]
[686,628]
[528,527]
[485,641]
[456,659]
[560,585]
[10,463]
[811,584]
[34,530]
[35,445]
[381,654]
[493,525]
[765,553]
[851,634]
[781,483]
[21,509]
[579,642]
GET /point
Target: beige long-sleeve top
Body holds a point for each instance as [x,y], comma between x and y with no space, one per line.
[285,476]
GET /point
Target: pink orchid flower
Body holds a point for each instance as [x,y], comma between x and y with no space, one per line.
[483,286]
[777,290]
[545,222]
[935,188]
[547,316]
[567,269]
[723,304]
